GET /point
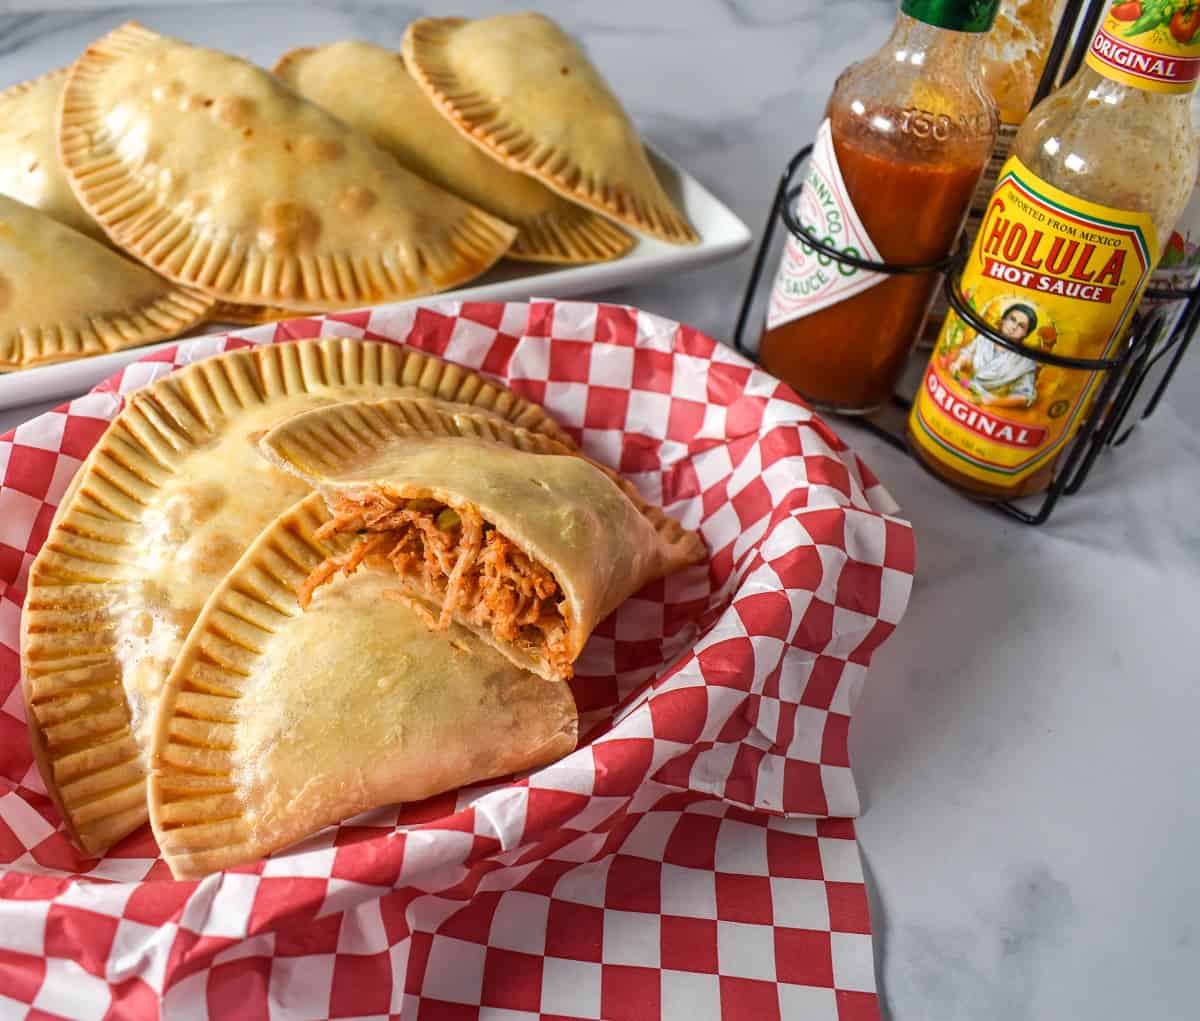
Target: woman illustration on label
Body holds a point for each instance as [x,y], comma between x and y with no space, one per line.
[1000,377]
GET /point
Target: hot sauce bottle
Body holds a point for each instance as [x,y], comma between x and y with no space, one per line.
[905,139]
[1179,268]
[1011,61]
[1100,171]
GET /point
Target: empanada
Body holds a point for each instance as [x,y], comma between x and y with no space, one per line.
[29,168]
[64,295]
[215,174]
[348,79]
[275,723]
[518,86]
[170,498]
[510,534]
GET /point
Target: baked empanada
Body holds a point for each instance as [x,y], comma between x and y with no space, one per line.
[170,498]
[215,174]
[275,723]
[518,86]
[64,295]
[508,533]
[29,168]
[348,79]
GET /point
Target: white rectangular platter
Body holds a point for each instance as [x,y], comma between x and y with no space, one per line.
[722,235]
[36,43]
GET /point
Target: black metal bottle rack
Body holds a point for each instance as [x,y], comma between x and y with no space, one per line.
[1136,376]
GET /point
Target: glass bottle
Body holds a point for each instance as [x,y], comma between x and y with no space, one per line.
[1179,267]
[1011,61]
[906,137]
[1100,171]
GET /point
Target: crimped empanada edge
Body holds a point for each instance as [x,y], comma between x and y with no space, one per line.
[198,820]
[331,433]
[504,141]
[222,265]
[171,313]
[160,424]
[15,91]
[568,235]
[575,237]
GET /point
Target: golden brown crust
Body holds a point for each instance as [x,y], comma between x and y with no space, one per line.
[250,315]
[287,65]
[571,236]
[528,116]
[29,166]
[219,798]
[584,530]
[84,605]
[346,78]
[111,303]
[300,211]
[320,441]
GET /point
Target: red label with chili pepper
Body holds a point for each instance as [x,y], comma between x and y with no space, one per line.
[1151,44]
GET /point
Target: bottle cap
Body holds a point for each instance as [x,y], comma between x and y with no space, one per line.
[956,15]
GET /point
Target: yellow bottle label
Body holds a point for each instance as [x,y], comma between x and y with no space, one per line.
[1152,44]
[1054,273]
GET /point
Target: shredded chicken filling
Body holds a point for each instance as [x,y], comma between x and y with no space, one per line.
[460,562]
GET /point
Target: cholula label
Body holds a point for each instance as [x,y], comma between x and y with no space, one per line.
[1049,272]
[1152,44]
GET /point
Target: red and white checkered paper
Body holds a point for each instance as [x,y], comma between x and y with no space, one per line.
[693,859]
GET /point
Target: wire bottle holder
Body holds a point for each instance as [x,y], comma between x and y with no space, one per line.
[1148,349]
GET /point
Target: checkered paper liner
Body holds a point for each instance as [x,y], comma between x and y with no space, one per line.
[694,858]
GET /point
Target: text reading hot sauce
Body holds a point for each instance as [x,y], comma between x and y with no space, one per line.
[1100,172]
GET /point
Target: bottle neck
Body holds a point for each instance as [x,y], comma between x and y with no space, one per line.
[932,51]
[975,16]
[1092,88]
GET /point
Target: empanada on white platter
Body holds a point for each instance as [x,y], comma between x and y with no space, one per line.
[214,173]
[29,166]
[517,85]
[65,295]
[349,78]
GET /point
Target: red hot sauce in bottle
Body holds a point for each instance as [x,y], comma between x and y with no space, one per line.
[907,135]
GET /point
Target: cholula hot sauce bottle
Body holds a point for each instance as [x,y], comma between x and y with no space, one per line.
[1099,173]
[905,139]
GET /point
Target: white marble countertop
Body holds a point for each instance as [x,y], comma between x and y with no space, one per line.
[1026,740]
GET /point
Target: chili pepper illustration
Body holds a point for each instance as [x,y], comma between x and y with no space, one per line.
[1175,254]
[1184,24]
[1157,14]
[1131,10]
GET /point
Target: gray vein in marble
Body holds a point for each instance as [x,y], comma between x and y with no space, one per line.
[27,29]
[786,13]
[989,971]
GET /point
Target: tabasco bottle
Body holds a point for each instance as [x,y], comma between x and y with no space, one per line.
[1100,171]
[906,136]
